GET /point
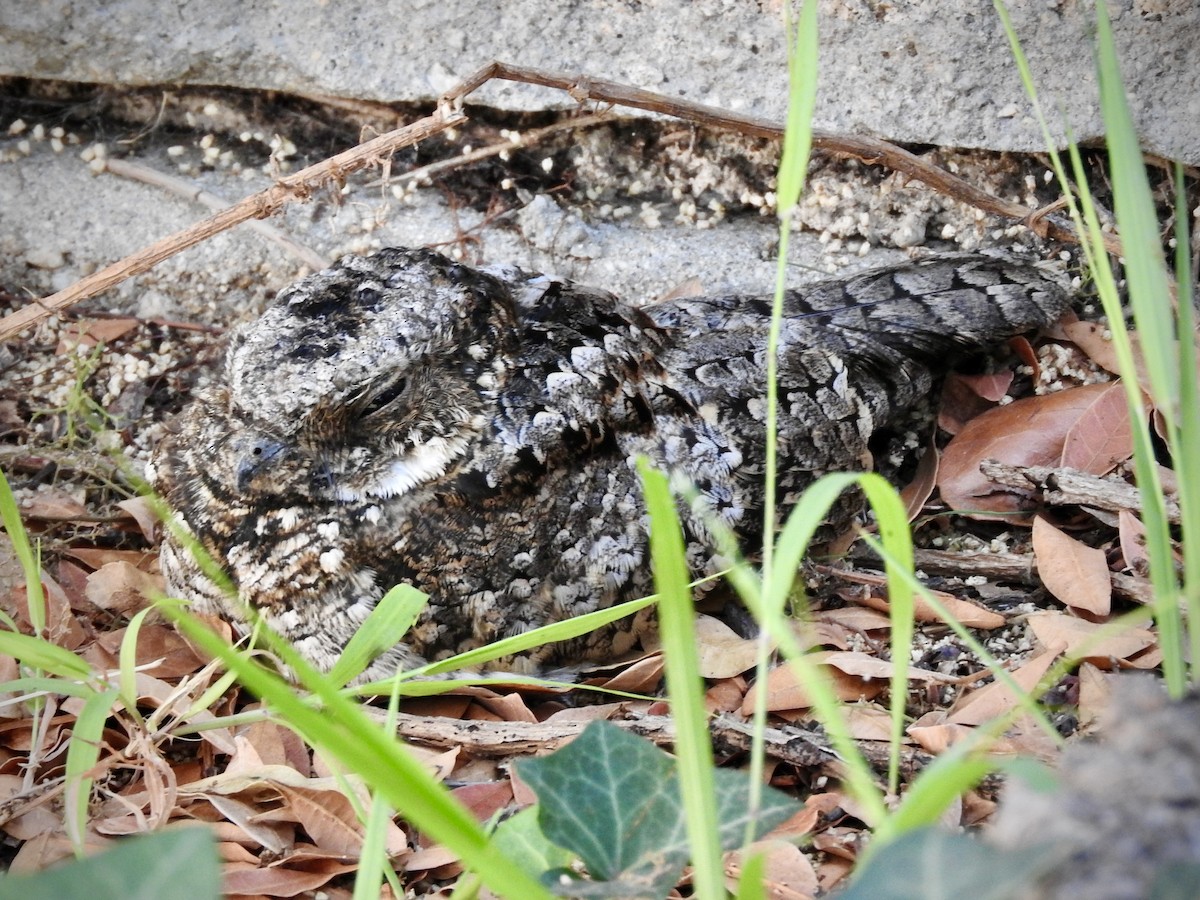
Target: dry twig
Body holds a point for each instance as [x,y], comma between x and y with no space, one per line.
[582,88]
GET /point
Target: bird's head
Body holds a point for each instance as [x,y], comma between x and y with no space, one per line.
[366,379]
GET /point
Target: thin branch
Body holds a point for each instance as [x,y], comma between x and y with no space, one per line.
[298,186]
[302,184]
[869,150]
[179,187]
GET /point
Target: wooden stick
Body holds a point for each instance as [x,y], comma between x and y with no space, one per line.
[867,149]
[300,185]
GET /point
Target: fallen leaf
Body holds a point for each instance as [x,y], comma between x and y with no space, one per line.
[856,618]
[970,614]
[723,653]
[54,504]
[1072,571]
[1076,635]
[786,691]
[995,699]
[1132,535]
[787,875]
[1027,432]
[917,492]
[90,332]
[120,587]
[285,879]
[1095,693]
[141,511]
[1101,437]
[485,799]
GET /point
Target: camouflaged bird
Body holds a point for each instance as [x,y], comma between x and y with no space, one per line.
[403,418]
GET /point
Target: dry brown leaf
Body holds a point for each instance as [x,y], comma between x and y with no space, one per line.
[160,644]
[995,699]
[120,587]
[275,745]
[788,874]
[425,859]
[725,695]
[286,879]
[723,653]
[54,504]
[90,332]
[640,677]
[486,798]
[868,722]
[1072,571]
[96,557]
[977,809]
[330,820]
[832,871]
[1027,432]
[1101,437]
[141,511]
[937,739]
[992,386]
[1095,693]
[1076,634]
[1024,351]
[970,614]
[785,691]
[586,713]
[62,627]
[917,492]
[38,819]
[959,404]
[1132,535]
[1096,341]
[856,618]
[507,708]
[870,667]
[276,837]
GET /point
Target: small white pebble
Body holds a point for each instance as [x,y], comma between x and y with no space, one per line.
[17,127]
[547,165]
[39,132]
[176,150]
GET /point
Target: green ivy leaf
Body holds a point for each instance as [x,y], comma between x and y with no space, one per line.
[614,799]
[180,862]
[929,864]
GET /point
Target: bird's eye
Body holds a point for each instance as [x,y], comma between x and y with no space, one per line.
[385,397]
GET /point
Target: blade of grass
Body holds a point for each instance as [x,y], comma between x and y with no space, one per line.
[382,630]
[343,731]
[83,752]
[685,687]
[1086,220]
[10,515]
[1149,296]
[1187,464]
[803,47]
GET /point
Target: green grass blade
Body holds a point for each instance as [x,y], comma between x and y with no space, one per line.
[45,656]
[1187,464]
[685,687]
[341,730]
[1149,296]
[10,515]
[382,630]
[83,753]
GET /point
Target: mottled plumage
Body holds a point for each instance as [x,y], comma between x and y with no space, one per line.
[404,418]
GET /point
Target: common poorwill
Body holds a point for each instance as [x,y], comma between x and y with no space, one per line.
[474,432]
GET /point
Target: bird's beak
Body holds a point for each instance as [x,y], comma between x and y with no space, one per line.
[256,455]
